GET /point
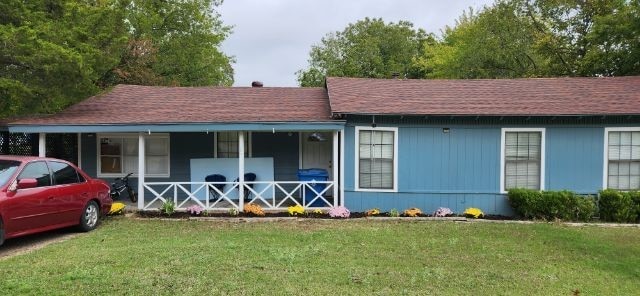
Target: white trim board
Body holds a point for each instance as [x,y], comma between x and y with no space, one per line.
[543,149]
[357,158]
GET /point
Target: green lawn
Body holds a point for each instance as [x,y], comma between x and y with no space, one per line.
[127,256]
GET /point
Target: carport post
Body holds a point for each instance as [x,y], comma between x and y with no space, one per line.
[42,145]
[141,172]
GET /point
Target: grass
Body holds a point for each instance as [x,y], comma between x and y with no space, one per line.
[133,257]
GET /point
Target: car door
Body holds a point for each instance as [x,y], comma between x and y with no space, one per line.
[73,192]
[30,208]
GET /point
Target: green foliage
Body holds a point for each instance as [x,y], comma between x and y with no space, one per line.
[167,208]
[54,53]
[368,48]
[551,205]
[394,213]
[539,38]
[619,206]
[174,43]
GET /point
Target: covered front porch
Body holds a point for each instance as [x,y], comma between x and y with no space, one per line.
[259,162]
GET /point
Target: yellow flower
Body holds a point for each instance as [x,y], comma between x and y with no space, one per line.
[412,212]
[253,209]
[318,211]
[473,213]
[295,210]
[117,208]
[373,212]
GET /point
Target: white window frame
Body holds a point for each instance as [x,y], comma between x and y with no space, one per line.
[357,158]
[247,140]
[605,159]
[132,136]
[543,149]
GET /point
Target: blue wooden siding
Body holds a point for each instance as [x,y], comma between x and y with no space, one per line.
[461,169]
[574,159]
[185,146]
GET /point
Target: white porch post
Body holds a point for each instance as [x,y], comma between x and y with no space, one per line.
[241,170]
[335,166]
[141,173]
[42,145]
[342,167]
[79,150]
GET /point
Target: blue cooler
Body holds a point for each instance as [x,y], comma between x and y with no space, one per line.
[312,175]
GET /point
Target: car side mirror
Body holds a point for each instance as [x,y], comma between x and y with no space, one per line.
[27,183]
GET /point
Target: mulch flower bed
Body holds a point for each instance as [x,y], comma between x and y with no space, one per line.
[185,215]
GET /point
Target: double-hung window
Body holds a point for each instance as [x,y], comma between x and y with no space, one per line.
[522,158]
[227,144]
[376,158]
[623,159]
[118,155]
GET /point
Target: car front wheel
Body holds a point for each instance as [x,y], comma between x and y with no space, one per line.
[90,216]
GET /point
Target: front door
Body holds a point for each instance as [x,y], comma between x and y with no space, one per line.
[316,151]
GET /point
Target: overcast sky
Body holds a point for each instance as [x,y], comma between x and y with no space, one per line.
[271,39]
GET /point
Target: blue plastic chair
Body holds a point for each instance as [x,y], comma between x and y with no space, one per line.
[215,178]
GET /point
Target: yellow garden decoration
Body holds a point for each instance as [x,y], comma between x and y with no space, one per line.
[473,213]
[117,208]
[412,212]
[253,209]
[295,210]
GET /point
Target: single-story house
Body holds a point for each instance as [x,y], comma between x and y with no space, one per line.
[384,143]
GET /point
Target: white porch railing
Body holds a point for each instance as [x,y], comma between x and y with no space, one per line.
[270,195]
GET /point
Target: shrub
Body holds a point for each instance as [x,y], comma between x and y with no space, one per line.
[168,208]
[195,210]
[412,212]
[339,212]
[551,205]
[394,213]
[372,212]
[443,212]
[318,212]
[117,208]
[253,209]
[295,210]
[473,213]
[233,212]
[619,206]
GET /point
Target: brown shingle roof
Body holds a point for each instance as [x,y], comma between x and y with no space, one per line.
[130,104]
[502,97]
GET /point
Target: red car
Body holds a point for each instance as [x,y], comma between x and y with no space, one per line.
[39,194]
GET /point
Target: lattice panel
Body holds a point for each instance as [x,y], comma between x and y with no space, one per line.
[63,146]
[18,144]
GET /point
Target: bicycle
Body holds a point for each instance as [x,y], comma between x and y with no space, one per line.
[120,185]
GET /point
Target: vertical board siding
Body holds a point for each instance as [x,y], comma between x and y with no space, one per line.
[574,159]
[458,169]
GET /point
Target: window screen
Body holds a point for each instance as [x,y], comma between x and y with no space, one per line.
[624,160]
[522,160]
[376,158]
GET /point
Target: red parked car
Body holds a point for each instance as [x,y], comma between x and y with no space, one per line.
[39,194]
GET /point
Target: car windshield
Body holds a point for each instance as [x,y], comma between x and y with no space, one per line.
[7,168]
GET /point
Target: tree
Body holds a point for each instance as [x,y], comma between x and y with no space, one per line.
[539,38]
[54,53]
[174,43]
[368,48]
